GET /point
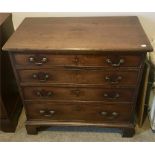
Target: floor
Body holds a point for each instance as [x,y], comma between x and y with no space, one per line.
[76,134]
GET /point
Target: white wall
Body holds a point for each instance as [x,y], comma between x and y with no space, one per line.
[147,19]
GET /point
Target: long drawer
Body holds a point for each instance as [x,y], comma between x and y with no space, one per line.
[97,113]
[78,93]
[81,76]
[47,60]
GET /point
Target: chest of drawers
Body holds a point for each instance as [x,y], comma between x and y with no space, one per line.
[10,102]
[79,71]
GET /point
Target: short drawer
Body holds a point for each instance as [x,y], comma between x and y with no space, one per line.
[47,60]
[79,93]
[102,77]
[97,113]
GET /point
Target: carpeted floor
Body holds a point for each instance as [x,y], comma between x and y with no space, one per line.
[76,134]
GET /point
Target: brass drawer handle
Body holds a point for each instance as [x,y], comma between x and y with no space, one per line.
[113,80]
[104,113]
[110,116]
[41,76]
[111,95]
[115,114]
[44,93]
[47,113]
[38,60]
[121,61]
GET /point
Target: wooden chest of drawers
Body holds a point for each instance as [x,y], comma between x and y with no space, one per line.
[10,102]
[79,71]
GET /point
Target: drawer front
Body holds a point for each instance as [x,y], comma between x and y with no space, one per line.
[47,60]
[79,112]
[77,93]
[107,78]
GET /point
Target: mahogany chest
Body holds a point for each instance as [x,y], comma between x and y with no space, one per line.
[83,71]
[10,101]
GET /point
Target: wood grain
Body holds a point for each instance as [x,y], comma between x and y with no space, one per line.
[80,33]
[130,60]
[79,113]
[106,78]
[78,93]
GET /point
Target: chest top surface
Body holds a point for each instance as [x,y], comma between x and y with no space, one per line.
[80,33]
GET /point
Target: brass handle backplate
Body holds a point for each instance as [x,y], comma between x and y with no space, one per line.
[109,61]
[109,115]
[47,113]
[43,93]
[113,79]
[41,76]
[111,95]
[38,60]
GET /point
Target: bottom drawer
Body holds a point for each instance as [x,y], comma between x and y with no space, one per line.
[86,112]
